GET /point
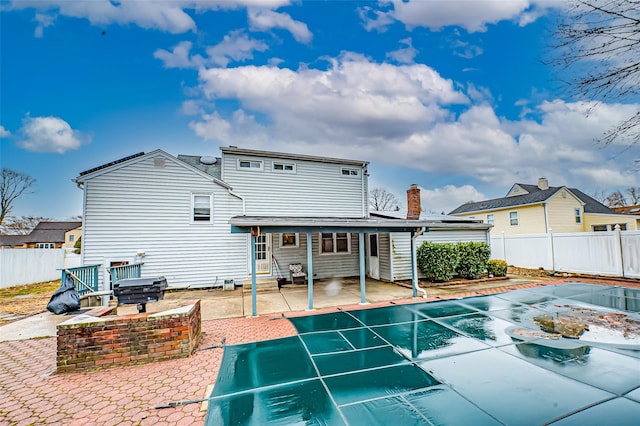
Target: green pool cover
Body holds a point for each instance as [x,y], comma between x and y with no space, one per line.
[475,361]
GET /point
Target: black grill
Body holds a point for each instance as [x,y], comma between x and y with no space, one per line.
[140,291]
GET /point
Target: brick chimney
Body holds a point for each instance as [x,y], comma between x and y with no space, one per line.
[413,202]
[543,183]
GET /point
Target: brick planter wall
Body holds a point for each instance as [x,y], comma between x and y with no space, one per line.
[87,342]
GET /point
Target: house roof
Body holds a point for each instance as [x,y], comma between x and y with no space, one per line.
[112,163]
[196,161]
[431,217]
[627,209]
[535,196]
[270,224]
[50,232]
[12,240]
[289,156]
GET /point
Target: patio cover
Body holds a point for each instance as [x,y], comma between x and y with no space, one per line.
[256,225]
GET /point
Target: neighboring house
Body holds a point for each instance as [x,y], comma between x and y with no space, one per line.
[531,209]
[192,219]
[46,235]
[627,209]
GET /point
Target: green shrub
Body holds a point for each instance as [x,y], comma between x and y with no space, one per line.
[437,261]
[497,268]
[78,246]
[473,258]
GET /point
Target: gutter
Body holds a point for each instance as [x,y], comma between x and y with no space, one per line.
[244,206]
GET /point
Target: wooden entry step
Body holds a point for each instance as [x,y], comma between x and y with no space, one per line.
[262,284]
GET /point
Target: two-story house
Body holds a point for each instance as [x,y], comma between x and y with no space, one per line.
[531,209]
[199,221]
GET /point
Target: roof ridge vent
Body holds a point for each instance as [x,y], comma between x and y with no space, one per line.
[208,160]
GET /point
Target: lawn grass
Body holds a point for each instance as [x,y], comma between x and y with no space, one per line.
[26,300]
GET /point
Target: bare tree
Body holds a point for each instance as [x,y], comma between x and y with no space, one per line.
[20,225]
[599,46]
[382,200]
[615,199]
[634,195]
[13,185]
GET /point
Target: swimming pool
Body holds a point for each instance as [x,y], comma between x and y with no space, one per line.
[491,360]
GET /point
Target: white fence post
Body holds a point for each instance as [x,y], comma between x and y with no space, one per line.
[504,248]
[619,251]
[551,251]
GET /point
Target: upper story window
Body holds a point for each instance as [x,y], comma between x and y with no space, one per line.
[250,164]
[490,219]
[70,238]
[578,215]
[289,240]
[337,242]
[349,172]
[284,167]
[201,207]
[513,218]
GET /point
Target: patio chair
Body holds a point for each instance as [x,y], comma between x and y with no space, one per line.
[295,272]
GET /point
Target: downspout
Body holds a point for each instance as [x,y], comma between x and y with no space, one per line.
[365,196]
[244,211]
[414,265]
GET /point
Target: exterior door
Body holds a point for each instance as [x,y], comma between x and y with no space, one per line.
[374,261]
[263,254]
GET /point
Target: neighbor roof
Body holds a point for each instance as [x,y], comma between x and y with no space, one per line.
[50,232]
[535,196]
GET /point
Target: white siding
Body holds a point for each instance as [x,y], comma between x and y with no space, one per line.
[324,266]
[384,254]
[401,247]
[144,207]
[315,189]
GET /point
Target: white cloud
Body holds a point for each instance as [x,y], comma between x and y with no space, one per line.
[168,16]
[50,134]
[179,57]
[265,20]
[4,133]
[373,19]
[447,198]
[409,116]
[236,46]
[43,20]
[404,55]
[471,15]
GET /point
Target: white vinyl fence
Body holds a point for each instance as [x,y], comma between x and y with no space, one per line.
[612,253]
[29,266]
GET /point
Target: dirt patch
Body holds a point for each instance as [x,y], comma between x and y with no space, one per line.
[25,300]
[513,270]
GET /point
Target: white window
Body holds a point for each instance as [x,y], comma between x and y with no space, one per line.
[70,238]
[578,214]
[250,164]
[513,218]
[337,242]
[284,167]
[490,219]
[289,240]
[349,172]
[201,207]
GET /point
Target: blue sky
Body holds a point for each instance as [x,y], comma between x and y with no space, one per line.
[450,95]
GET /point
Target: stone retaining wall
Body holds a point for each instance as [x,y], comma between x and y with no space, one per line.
[88,342]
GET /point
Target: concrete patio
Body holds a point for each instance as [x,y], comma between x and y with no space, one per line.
[219,304]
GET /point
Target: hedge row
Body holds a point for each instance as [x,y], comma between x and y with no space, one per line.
[440,261]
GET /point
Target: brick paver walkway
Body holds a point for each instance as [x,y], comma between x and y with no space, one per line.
[31,392]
